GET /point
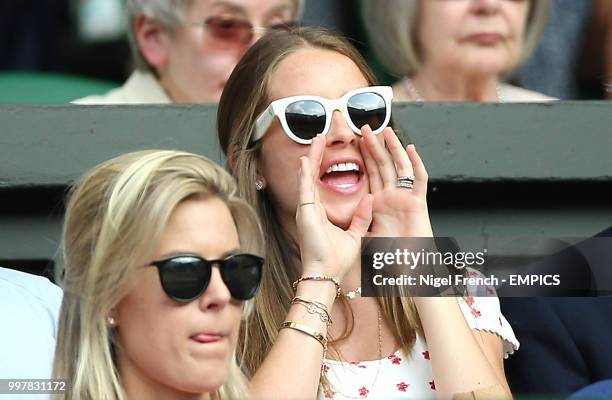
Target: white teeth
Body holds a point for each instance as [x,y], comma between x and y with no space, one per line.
[350,166]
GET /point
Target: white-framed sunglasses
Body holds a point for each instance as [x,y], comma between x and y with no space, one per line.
[304,117]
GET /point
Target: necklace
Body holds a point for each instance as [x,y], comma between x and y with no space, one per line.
[414,93]
[363,391]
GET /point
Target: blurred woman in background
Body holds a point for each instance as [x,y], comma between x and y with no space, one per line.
[185,50]
[458,50]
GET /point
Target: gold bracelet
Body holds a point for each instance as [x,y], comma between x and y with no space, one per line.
[318,336]
[319,278]
[314,307]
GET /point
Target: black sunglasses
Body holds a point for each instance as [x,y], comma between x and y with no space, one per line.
[185,277]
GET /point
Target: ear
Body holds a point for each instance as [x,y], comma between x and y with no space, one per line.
[152,41]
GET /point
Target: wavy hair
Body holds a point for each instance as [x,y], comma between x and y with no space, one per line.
[115,218]
[245,96]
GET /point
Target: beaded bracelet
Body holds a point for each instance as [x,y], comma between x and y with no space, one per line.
[314,307]
[319,278]
[318,336]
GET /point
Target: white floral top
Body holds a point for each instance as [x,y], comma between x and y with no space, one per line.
[403,376]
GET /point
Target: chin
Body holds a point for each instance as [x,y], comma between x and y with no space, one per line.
[211,383]
[488,64]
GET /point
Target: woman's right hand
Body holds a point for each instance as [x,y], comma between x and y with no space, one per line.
[325,248]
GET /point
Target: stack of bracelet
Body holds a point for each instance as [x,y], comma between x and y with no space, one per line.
[319,278]
[313,307]
[318,336]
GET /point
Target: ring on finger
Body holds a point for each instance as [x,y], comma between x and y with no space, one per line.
[406,178]
[405,184]
[306,203]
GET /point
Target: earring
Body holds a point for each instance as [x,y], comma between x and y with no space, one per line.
[259,185]
[111,322]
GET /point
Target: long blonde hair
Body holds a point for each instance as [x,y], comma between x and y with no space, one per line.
[245,96]
[115,217]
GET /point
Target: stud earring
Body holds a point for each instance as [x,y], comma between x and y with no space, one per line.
[111,322]
[259,185]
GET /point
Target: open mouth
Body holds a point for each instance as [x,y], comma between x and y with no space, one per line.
[343,177]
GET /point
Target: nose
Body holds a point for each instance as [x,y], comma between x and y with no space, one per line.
[486,6]
[217,295]
[340,134]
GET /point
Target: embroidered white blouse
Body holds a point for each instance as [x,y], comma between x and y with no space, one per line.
[405,376]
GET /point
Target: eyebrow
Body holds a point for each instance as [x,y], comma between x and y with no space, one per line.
[171,254]
[230,253]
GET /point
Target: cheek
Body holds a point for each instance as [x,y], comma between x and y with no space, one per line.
[433,35]
[199,72]
[518,20]
[236,312]
[281,175]
[280,164]
[146,320]
[216,65]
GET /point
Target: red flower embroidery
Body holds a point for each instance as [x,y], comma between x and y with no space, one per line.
[325,368]
[469,300]
[329,394]
[395,359]
[363,392]
[402,386]
[358,364]
[432,385]
[475,313]
[426,355]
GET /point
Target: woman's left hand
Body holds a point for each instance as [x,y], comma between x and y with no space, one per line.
[397,211]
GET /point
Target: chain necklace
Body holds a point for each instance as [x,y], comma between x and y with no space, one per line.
[414,93]
[371,386]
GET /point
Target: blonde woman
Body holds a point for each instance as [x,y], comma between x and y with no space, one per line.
[158,261]
[304,128]
[458,50]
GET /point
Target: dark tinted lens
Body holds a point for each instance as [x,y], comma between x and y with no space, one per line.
[229,29]
[184,278]
[242,274]
[367,108]
[305,118]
